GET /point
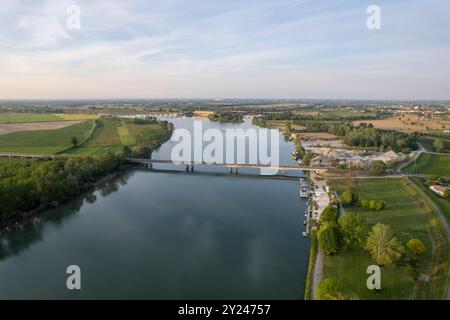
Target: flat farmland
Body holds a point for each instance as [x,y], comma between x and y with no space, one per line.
[34,126]
[106,133]
[409,123]
[43,117]
[46,141]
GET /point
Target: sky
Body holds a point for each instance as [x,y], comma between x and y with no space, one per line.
[305,49]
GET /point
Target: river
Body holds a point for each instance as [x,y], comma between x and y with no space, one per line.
[166,235]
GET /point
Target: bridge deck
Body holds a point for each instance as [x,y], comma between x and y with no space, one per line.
[229,165]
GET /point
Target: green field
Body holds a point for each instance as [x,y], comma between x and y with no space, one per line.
[112,135]
[125,136]
[433,164]
[410,216]
[45,141]
[95,136]
[42,117]
[106,133]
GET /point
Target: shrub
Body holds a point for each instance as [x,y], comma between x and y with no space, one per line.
[416,246]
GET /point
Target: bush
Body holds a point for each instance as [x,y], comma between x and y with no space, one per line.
[416,246]
[326,290]
[377,205]
[364,203]
[348,197]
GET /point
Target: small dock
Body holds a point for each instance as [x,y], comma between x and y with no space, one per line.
[305,194]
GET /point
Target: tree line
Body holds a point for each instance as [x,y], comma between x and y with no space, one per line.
[365,135]
[235,117]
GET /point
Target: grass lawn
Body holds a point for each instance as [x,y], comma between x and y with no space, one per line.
[410,216]
[429,163]
[45,141]
[443,204]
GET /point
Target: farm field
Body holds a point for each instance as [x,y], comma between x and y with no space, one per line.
[95,136]
[112,135]
[34,126]
[410,216]
[105,133]
[408,123]
[45,141]
[429,163]
[42,117]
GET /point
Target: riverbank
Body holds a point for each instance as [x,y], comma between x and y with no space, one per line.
[315,263]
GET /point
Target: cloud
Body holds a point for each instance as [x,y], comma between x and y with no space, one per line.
[245,48]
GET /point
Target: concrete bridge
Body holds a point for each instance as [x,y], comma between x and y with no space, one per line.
[232,166]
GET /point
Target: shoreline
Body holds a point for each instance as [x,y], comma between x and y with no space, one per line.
[315,261]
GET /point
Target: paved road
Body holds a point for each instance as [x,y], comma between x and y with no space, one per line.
[441,217]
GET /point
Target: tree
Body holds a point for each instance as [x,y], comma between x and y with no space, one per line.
[383,246]
[347,197]
[74,142]
[378,167]
[328,237]
[329,214]
[326,290]
[439,145]
[379,205]
[372,204]
[416,246]
[353,228]
[365,203]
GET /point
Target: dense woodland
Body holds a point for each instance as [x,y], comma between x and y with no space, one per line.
[31,185]
[365,135]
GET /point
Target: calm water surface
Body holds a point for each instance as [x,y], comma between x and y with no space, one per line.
[166,235]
